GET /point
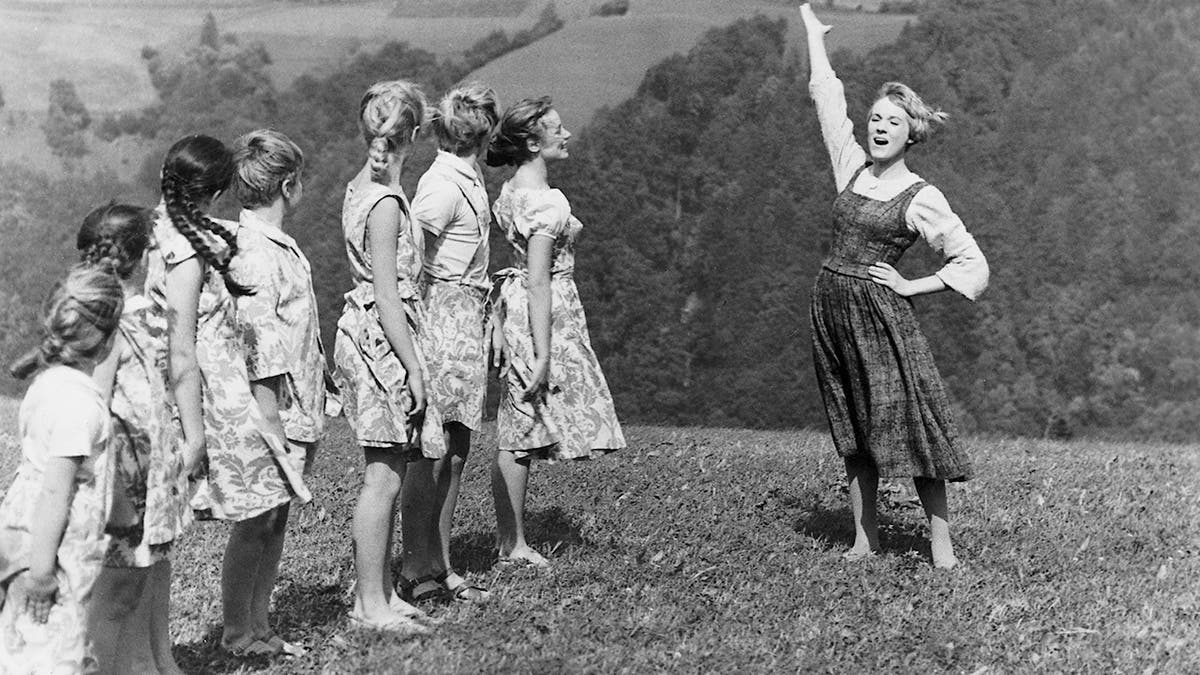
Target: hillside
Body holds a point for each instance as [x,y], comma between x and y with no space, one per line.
[599,61]
[718,550]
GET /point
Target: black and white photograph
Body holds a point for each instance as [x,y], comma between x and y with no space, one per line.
[599,336]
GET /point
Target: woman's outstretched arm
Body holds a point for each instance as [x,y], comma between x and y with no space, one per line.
[828,95]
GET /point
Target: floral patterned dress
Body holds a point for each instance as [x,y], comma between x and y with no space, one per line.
[372,380]
[576,418]
[146,446]
[279,326]
[63,415]
[249,469]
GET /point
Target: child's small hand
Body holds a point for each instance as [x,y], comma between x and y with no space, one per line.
[194,452]
[40,591]
[416,412]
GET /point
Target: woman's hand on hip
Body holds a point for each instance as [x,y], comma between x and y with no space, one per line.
[886,275]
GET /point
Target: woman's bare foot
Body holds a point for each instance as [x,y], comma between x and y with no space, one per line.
[943,554]
[857,553]
[524,555]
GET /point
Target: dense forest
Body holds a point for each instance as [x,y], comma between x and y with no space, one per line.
[706,198]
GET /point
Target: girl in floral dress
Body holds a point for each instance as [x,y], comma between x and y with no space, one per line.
[886,403]
[453,210]
[146,453]
[379,369]
[246,468]
[554,403]
[278,324]
[52,519]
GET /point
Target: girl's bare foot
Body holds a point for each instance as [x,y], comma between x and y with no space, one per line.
[859,553]
[525,555]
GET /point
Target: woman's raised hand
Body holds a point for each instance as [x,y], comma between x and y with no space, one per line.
[811,22]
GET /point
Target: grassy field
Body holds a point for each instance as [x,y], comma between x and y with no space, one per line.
[599,61]
[716,550]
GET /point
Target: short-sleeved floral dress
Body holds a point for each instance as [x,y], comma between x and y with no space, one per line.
[249,468]
[145,446]
[576,418]
[372,380]
[63,414]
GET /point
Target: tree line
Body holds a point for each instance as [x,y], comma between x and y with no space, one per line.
[706,197]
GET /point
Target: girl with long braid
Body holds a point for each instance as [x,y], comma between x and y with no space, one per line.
[246,473]
[379,368]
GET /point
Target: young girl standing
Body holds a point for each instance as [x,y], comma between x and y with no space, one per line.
[886,403]
[278,323]
[130,617]
[452,208]
[554,403]
[52,519]
[249,472]
[379,369]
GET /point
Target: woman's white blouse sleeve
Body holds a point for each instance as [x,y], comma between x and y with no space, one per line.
[930,215]
[846,155]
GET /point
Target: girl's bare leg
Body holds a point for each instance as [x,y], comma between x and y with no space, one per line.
[933,500]
[510,477]
[863,480]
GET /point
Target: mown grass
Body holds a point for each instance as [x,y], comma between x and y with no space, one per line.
[717,550]
[714,550]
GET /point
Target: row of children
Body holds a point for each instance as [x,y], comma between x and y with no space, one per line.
[203,390]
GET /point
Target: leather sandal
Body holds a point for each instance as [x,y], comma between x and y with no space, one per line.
[421,589]
[463,591]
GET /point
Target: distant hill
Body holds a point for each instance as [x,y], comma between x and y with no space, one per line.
[599,61]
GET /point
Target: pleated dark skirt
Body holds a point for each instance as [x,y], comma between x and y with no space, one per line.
[883,395]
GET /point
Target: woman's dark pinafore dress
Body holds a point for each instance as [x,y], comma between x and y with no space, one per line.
[883,395]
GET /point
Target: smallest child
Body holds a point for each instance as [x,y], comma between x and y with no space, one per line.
[52,519]
[278,324]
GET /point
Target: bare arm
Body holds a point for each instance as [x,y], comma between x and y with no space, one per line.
[183,285]
[383,227]
[122,513]
[540,258]
[46,533]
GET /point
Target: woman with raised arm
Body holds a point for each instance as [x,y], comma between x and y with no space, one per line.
[554,401]
[887,407]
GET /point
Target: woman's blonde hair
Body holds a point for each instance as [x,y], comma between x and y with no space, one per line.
[465,118]
[921,116]
[263,160]
[388,116]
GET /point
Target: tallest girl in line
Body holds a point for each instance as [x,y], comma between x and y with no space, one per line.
[886,403]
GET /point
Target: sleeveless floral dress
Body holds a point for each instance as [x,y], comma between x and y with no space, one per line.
[575,419]
[249,468]
[372,380]
[146,446]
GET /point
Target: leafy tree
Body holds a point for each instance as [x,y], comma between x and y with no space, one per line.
[66,121]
